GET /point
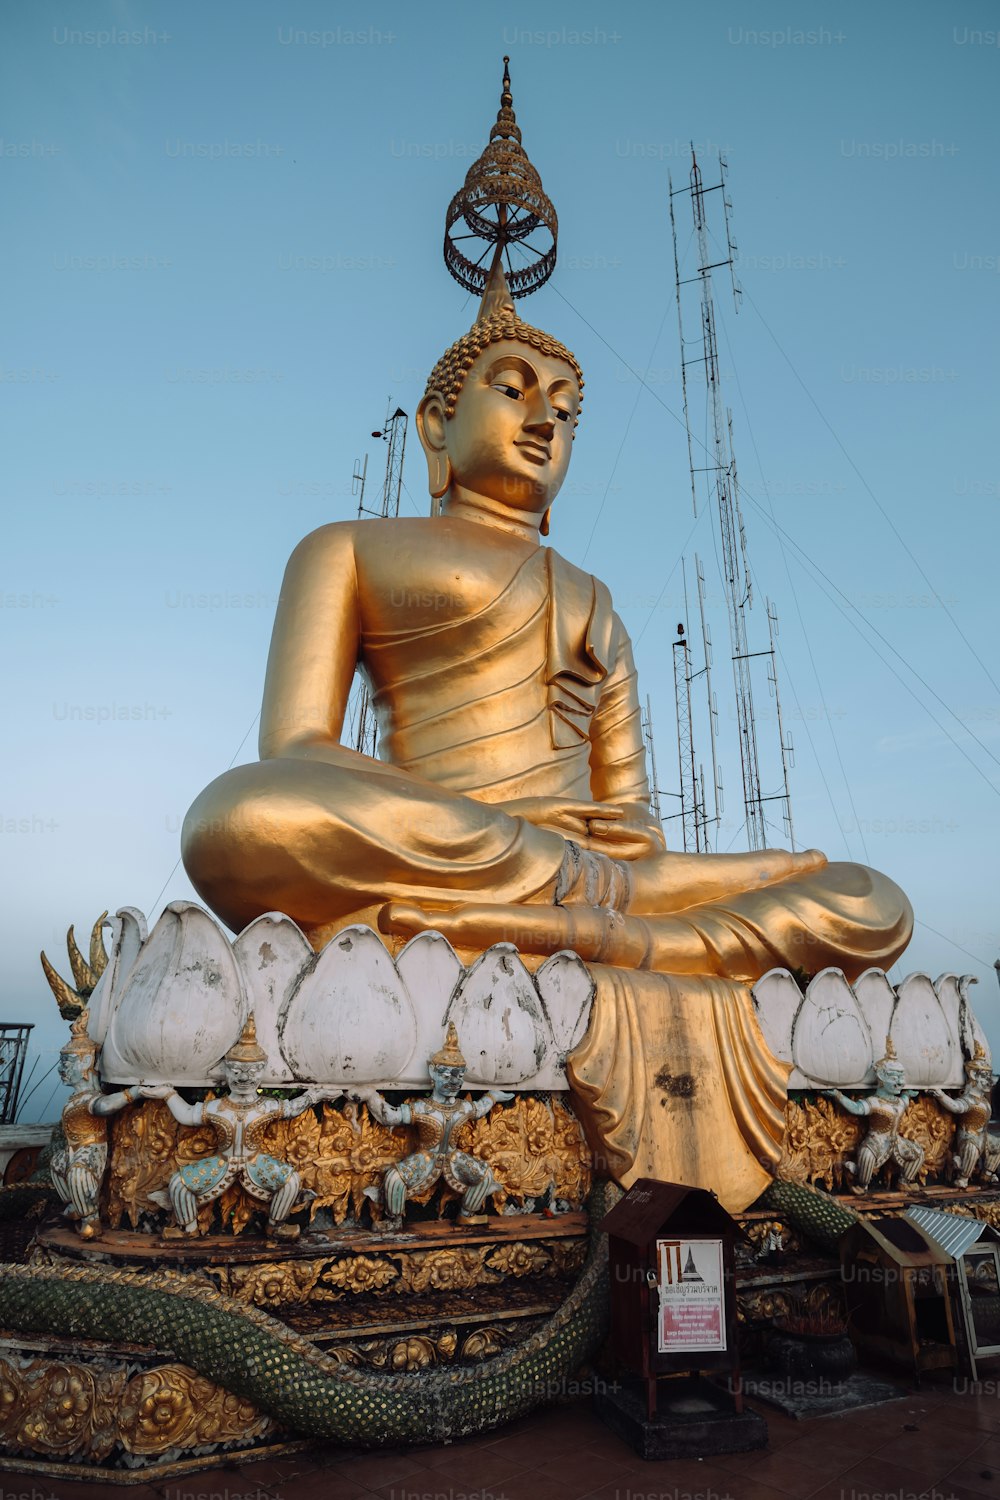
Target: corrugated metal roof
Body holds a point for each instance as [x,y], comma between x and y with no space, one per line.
[923,1250]
[953,1232]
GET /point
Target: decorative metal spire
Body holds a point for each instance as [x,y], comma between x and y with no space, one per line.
[500,205]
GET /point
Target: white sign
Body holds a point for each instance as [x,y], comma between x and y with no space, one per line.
[692,1311]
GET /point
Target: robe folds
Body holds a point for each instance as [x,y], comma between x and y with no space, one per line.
[525,689]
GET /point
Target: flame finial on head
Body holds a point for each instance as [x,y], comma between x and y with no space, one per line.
[890,1057]
[80,1043]
[247,1048]
[450,1055]
[979,1060]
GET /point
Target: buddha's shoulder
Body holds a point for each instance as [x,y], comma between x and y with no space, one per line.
[364,534]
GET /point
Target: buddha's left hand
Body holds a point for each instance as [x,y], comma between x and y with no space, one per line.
[607,827]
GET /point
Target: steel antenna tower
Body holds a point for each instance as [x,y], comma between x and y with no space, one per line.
[358,481]
[713,715]
[654,784]
[362,719]
[720,467]
[687,770]
[785,740]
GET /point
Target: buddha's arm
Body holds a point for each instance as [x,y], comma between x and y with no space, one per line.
[618,752]
[314,648]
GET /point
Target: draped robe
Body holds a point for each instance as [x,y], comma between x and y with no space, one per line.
[486,692]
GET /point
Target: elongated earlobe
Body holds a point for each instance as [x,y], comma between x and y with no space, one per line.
[438,474]
[543,529]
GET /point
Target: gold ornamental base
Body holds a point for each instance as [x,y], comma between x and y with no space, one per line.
[437,1294]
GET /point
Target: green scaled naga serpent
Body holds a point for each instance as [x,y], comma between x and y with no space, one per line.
[256,1357]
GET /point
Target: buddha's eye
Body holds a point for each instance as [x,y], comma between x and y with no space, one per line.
[564,416]
[510,391]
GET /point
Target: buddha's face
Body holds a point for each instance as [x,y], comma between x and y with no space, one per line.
[510,437]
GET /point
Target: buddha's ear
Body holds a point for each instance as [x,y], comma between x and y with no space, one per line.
[431,419]
[430,423]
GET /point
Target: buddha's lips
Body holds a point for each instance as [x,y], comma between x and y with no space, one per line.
[535,449]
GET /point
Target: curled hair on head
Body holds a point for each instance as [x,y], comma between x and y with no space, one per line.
[448,375]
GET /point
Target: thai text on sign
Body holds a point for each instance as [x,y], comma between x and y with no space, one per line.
[692,1310]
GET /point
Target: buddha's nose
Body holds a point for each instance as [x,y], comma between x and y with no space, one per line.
[542,420]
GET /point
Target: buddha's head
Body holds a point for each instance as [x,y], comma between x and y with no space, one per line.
[498,416]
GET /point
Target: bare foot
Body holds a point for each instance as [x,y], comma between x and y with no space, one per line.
[596,936]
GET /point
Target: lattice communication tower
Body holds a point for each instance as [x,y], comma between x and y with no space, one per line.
[717,463]
[360,713]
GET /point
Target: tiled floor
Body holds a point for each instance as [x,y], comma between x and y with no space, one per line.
[940,1442]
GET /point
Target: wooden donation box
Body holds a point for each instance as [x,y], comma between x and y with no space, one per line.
[896,1294]
[673,1287]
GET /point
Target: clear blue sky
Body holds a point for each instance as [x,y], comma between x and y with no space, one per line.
[223,254]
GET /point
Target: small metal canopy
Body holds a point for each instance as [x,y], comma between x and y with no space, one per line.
[953,1232]
[972,1251]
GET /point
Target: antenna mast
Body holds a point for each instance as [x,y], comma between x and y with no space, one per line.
[654,784]
[713,716]
[685,743]
[361,715]
[720,468]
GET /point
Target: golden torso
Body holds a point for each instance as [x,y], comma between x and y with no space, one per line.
[476,654]
[418,573]
[453,637]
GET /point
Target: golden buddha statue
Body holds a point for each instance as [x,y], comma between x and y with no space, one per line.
[510,802]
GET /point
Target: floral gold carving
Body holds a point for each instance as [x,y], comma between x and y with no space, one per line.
[172,1407]
[294,1284]
[63,1409]
[765,1304]
[535,1148]
[519,1260]
[819,1138]
[277,1284]
[418,1351]
[361,1273]
[568,1256]
[986,1209]
[927,1123]
[455,1269]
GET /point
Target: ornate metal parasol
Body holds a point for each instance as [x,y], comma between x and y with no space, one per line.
[500,204]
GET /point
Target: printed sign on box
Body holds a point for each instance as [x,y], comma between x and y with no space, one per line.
[692,1311]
